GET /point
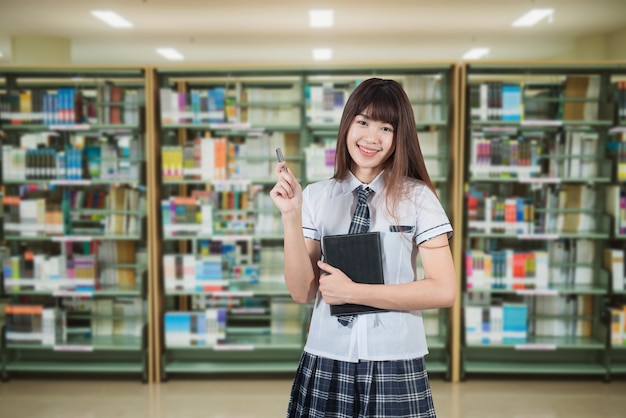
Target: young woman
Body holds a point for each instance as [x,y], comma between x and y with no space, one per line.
[373,366]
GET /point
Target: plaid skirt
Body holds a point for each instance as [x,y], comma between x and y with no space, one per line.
[325,388]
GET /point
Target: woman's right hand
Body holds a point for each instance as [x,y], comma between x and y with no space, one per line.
[287,192]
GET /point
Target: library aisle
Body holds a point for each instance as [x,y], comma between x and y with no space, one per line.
[267,398]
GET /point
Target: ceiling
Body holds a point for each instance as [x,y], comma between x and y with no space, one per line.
[275,32]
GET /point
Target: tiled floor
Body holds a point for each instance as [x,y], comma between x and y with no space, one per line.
[254,397]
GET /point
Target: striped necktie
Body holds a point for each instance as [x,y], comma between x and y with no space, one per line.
[361,218]
[360,223]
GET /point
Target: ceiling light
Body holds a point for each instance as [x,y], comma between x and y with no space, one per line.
[322,54]
[112,18]
[534,16]
[476,53]
[320,18]
[170,53]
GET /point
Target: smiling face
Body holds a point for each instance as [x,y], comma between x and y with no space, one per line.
[369,142]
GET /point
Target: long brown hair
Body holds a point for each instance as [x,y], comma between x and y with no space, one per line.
[385,101]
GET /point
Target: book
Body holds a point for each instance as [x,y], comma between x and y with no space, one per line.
[359,256]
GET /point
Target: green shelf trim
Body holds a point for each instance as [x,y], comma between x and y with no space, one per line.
[88,315]
[81,367]
[534,368]
[71,127]
[186,181]
[273,237]
[234,211]
[329,128]
[542,124]
[260,180]
[271,158]
[249,342]
[266,127]
[618,369]
[547,236]
[439,179]
[435,366]
[74,238]
[73,183]
[125,159]
[103,103]
[259,289]
[559,99]
[87,211]
[565,210]
[436,341]
[235,331]
[556,290]
[541,68]
[230,367]
[618,347]
[235,131]
[229,235]
[356,71]
[329,133]
[545,344]
[73,72]
[252,317]
[82,344]
[531,180]
[288,103]
[85,293]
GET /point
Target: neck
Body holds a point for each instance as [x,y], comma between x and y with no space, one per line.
[365,175]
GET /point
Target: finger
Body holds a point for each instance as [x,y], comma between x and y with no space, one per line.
[282,188]
[278,169]
[325,267]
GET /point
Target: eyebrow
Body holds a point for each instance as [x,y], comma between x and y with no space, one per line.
[375,120]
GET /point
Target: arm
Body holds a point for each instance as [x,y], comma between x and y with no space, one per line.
[301,272]
[436,290]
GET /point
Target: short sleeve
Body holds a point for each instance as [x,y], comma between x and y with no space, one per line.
[431,219]
[309,229]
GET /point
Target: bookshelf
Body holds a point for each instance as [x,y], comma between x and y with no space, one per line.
[234,119]
[616,203]
[230,312]
[74,205]
[538,141]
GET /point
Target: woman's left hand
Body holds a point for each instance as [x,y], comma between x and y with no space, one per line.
[334,285]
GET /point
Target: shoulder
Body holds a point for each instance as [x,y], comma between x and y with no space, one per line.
[416,190]
[322,187]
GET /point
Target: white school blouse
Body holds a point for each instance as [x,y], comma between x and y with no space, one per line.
[327,208]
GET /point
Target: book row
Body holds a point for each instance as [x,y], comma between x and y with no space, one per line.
[575,99]
[85,212]
[120,160]
[107,104]
[569,208]
[564,264]
[38,324]
[521,322]
[567,154]
[103,265]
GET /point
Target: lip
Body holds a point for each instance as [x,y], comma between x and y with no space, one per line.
[366,151]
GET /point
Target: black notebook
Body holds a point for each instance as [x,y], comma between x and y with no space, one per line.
[360,257]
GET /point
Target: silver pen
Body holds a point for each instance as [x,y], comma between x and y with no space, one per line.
[280,157]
